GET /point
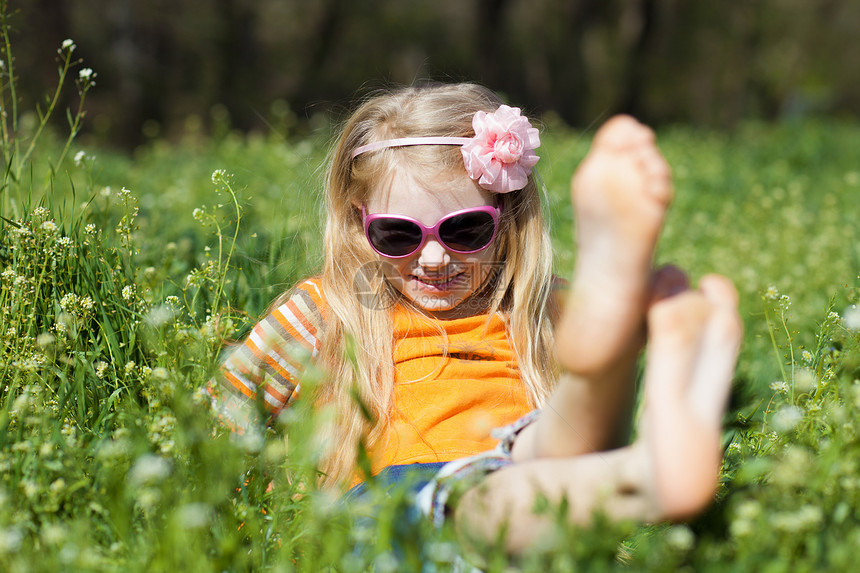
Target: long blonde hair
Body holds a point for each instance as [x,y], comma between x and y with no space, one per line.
[356,347]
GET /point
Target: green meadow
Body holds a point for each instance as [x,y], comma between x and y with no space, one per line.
[125,275]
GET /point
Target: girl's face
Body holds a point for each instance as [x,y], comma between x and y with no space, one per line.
[435,278]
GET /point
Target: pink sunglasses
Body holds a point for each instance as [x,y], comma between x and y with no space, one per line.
[464,231]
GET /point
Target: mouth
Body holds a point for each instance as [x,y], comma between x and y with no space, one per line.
[442,283]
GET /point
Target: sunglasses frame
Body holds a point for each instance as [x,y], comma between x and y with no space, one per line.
[494,211]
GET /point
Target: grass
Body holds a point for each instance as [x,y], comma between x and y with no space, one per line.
[117,296]
[124,276]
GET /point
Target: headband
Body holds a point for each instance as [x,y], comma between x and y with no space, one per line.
[405,141]
[499,157]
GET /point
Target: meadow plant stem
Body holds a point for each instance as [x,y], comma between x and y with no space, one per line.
[43,120]
[9,151]
[10,144]
[779,359]
[790,348]
[223,268]
[74,129]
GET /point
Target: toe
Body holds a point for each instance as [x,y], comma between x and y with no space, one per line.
[621,132]
[719,290]
[667,281]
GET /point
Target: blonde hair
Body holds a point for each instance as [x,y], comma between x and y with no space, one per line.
[356,347]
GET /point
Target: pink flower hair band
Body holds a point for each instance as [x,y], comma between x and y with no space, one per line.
[499,157]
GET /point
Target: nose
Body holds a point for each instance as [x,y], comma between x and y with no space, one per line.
[433,254]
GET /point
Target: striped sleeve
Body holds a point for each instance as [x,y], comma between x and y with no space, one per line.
[269,364]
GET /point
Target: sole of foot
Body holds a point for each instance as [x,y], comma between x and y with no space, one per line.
[620,194]
[694,339]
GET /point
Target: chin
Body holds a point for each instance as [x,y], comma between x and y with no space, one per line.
[431,303]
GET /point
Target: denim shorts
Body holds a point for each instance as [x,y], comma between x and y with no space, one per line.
[457,476]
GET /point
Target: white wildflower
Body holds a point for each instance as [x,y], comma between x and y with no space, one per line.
[69,430]
[10,540]
[441,551]
[113,449]
[680,537]
[160,315]
[58,485]
[54,533]
[806,517]
[787,418]
[45,339]
[30,488]
[199,213]
[806,356]
[195,515]
[68,44]
[105,192]
[386,563]
[69,302]
[86,74]
[79,158]
[129,367]
[749,509]
[41,212]
[49,227]
[22,402]
[771,293]
[251,441]
[21,230]
[219,176]
[148,468]
[68,553]
[128,293]
[747,513]
[741,528]
[90,229]
[779,386]
[805,379]
[851,317]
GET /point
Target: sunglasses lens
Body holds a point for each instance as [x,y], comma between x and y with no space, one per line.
[468,231]
[393,237]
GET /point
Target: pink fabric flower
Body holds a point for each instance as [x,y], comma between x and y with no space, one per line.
[501,155]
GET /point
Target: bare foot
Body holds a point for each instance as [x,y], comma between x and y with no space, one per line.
[671,471]
[620,195]
[694,339]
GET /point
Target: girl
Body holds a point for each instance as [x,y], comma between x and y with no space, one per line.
[450,327]
[438,275]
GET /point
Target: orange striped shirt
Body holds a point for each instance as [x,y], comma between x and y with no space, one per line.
[455,380]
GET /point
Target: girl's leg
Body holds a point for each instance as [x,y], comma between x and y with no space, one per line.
[620,194]
[671,471]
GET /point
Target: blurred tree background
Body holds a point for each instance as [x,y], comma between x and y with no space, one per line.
[168,66]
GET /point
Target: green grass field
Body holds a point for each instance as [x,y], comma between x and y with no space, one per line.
[123,276]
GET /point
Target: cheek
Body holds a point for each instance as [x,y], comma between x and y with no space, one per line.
[485,262]
[396,270]
[480,267]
